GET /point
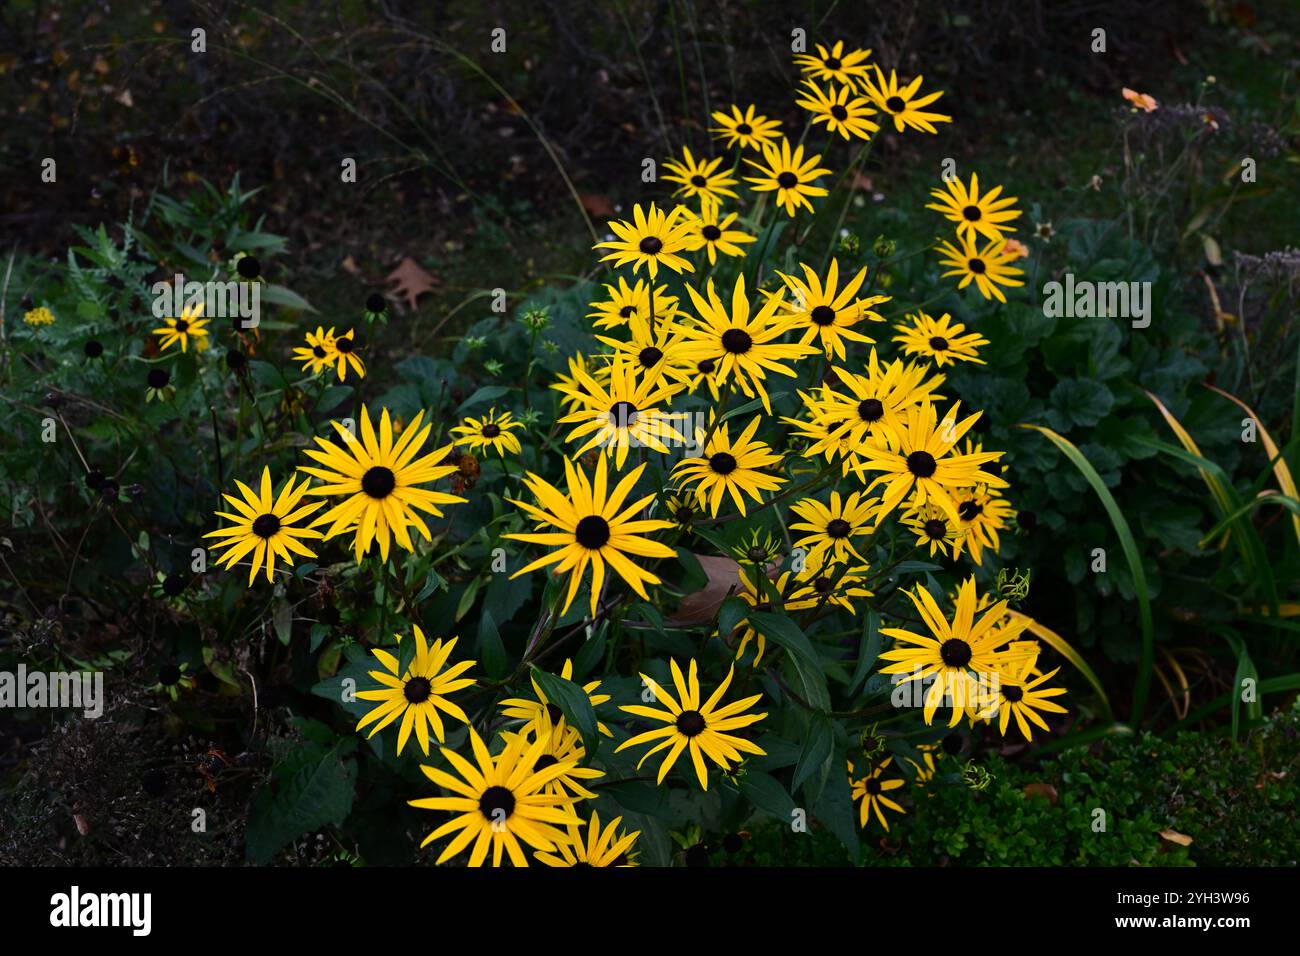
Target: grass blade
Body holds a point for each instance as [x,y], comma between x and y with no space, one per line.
[1062,647]
[1142,685]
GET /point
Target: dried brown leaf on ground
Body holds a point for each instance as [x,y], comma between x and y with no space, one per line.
[699,607]
[410,281]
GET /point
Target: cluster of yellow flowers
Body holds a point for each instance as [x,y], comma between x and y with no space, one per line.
[880,424]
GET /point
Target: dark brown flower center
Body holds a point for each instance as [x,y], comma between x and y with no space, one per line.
[737,341]
[787,180]
[344,345]
[651,245]
[378,482]
[838,528]
[592,532]
[690,723]
[955,652]
[936,529]
[711,232]
[264,526]
[977,266]
[650,356]
[921,464]
[698,181]
[417,690]
[723,463]
[939,343]
[895,104]
[970,510]
[491,431]
[870,409]
[182,325]
[1013,693]
[971,213]
[839,112]
[623,414]
[823,315]
[497,803]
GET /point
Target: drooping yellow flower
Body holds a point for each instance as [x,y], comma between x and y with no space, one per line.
[705,730]
[418,694]
[592,527]
[626,301]
[380,477]
[870,792]
[265,525]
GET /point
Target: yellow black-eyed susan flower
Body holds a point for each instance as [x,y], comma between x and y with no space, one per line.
[1021,694]
[727,466]
[651,239]
[712,232]
[954,653]
[984,215]
[750,130]
[842,110]
[704,729]
[626,413]
[626,301]
[567,384]
[654,351]
[831,527]
[870,790]
[871,406]
[902,103]
[563,745]
[981,515]
[745,344]
[596,847]
[380,476]
[834,63]
[828,313]
[825,581]
[789,174]
[941,340]
[500,802]
[319,352]
[345,355]
[933,528]
[987,266]
[419,694]
[540,714]
[180,331]
[265,526]
[699,178]
[492,431]
[592,527]
[918,461]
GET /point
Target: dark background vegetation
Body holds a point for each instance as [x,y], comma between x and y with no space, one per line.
[463,156]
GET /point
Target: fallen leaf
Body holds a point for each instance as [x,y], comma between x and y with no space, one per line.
[1173,836]
[409,282]
[699,607]
[1045,790]
[350,266]
[597,205]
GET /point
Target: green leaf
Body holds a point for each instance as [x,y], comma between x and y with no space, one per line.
[803,656]
[1142,684]
[766,793]
[491,652]
[835,810]
[485,394]
[818,748]
[1080,402]
[731,614]
[279,295]
[311,787]
[573,703]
